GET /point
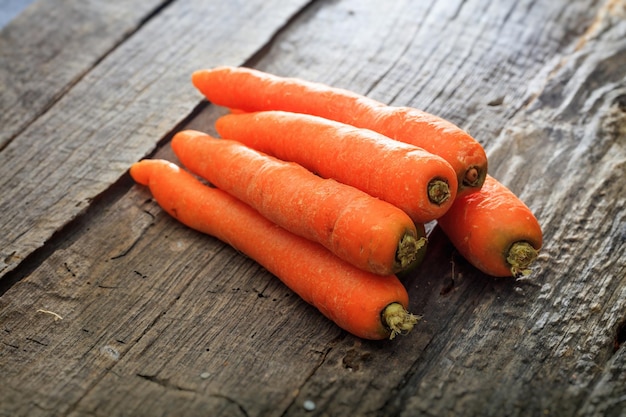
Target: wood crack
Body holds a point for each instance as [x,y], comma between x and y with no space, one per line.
[81,75]
[323,355]
[232,401]
[168,385]
[164,382]
[620,336]
[606,18]
[254,58]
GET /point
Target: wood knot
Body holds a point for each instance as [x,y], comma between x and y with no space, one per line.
[354,359]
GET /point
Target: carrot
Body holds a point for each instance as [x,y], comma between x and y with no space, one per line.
[367,232]
[367,305]
[494,230]
[421,184]
[251,90]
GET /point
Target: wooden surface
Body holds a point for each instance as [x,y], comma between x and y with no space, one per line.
[109,307]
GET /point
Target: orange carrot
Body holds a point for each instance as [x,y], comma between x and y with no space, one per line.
[367,232]
[494,230]
[250,90]
[421,184]
[367,305]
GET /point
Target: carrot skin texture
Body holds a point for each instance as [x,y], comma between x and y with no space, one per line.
[350,297]
[358,228]
[251,90]
[483,226]
[393,171]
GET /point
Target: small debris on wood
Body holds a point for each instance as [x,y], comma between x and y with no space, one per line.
[52,313]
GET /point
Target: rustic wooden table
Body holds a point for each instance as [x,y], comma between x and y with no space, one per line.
[108,307]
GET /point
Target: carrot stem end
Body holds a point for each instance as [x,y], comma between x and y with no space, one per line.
[438,191]
[398,320]
[408,251]
[520,256]
[474,177]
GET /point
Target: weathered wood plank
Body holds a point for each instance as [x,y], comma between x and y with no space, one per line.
[548,105]
[163,319]
[38,66]
[122,312]
[118,112]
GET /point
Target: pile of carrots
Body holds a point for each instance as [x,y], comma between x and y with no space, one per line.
[330,190]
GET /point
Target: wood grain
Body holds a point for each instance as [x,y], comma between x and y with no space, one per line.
[39,66]
[160,320]
[547,108]
[117,113]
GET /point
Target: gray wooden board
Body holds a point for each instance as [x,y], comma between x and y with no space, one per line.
[122,316]
[117,112]
[542,86]
[158,319]
[38,66]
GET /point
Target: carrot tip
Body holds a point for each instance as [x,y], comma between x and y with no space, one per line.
[408,251]
[521,255]
[438,191]
[398,320]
